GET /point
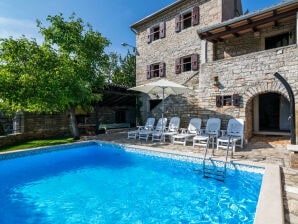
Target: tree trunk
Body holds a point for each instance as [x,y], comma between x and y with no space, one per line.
[73,123]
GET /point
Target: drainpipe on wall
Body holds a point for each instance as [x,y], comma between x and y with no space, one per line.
[292,106]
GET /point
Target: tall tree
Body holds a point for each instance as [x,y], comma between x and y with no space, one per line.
[59,75]
[125,74]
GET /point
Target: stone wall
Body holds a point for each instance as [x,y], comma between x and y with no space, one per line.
[174,45]
[253,41]
[38,126]
[241,64]
[248,76]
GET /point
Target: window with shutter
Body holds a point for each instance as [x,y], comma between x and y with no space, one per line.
[162,30]
[219,101]
[236,100]
[155,70]
[155,33]
[186,64]
[178,66]
[195,15]
[195,62]
[187,19]
[149,35]
[178,23]
[162,70]
[148,71]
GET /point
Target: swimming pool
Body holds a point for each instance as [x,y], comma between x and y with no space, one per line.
[105,183]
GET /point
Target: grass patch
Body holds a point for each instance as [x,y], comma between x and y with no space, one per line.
[37,143]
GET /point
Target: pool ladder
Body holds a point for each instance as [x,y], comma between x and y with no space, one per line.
[214,171]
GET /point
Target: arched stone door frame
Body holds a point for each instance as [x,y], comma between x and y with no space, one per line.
[260,87]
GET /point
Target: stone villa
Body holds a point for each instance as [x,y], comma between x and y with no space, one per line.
[234,61]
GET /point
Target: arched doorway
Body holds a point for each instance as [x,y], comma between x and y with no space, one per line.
[270,114]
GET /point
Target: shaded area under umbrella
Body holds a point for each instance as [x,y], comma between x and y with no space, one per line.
[163,86]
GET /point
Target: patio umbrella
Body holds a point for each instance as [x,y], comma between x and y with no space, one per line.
[162,86]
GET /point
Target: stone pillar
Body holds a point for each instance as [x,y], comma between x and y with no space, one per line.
[203,51]
[296,124]
[297,28]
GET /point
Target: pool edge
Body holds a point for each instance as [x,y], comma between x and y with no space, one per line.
[270,207]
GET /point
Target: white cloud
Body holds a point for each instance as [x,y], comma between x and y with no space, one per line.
[15,28]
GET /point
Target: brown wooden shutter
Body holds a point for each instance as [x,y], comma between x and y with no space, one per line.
[194,62]
[162,30]
[195,15]
[236,100]
[148,71]
[178,23]
[178,66]
[162,70]
[149,35]
[219,101]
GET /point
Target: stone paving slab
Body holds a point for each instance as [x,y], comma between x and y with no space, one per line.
[268,149]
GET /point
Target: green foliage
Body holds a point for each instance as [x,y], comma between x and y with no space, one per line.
[125,72]
[57,75]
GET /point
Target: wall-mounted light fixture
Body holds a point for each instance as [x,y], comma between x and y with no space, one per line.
[135,51]
[215,81]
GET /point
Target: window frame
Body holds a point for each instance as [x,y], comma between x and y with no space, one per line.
[156,70]
[192,19]
[156,32]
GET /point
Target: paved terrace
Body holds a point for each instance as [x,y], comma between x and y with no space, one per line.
[259,150]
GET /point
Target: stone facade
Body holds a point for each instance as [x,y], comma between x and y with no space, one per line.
[240,63]
[174,45]
[248,75]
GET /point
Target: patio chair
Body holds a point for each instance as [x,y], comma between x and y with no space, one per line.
[148,126]
[233,135]
[160,126]
[188,133]
[209,134]
[169,131]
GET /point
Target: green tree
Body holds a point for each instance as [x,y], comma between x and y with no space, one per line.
[125,74]
[59,75]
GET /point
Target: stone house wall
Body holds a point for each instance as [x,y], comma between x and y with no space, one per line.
[253,41]
[242,65]
[174,45]
[248,75]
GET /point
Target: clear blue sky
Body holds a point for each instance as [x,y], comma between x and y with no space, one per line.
[112,18]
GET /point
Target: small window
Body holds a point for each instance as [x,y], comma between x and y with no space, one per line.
[155,33]
[227,100]
[186,20]
[155,70]
[280,40]
[186,64]
[154,103]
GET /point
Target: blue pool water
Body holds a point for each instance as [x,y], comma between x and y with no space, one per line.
[106,184]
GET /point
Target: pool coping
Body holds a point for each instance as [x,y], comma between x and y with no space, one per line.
[270,203]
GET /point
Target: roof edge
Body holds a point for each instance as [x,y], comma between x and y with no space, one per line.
[145,19]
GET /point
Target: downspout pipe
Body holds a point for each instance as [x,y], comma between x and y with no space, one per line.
[292,106]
